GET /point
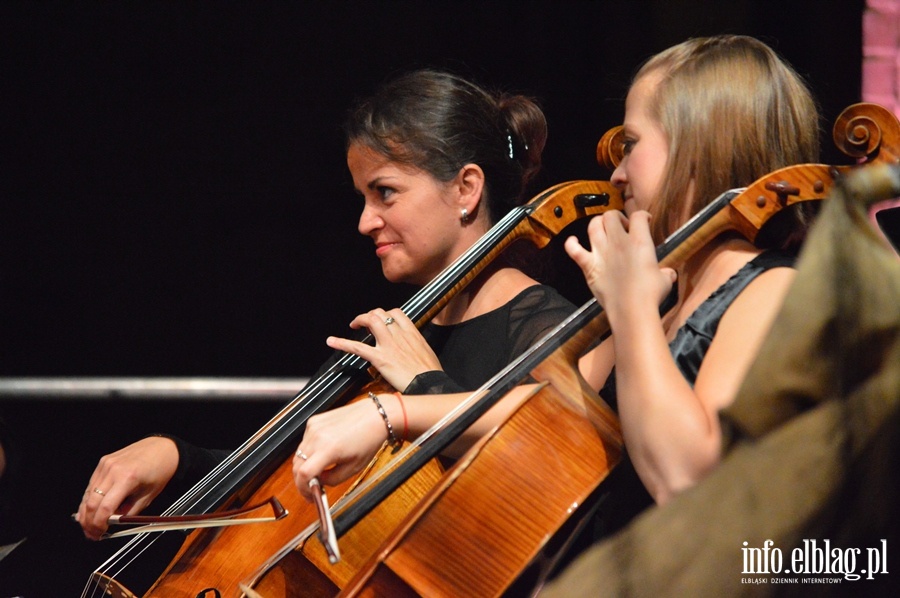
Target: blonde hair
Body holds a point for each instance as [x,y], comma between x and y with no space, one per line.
[732,111]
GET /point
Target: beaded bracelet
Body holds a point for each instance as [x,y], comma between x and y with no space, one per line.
[392,439]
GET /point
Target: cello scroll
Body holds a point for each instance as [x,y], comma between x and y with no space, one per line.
[609,148]
[868,131]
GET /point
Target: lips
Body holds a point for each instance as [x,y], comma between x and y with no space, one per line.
[382,249]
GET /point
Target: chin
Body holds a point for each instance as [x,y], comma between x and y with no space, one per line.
[630,207]
[396,277]
[400,273]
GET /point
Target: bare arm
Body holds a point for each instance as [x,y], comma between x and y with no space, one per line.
[338,443]
[597,364]
[673,430]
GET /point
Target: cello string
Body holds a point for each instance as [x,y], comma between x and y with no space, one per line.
[104,568]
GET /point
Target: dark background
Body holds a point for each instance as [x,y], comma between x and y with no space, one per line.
[175,200]
[175,194]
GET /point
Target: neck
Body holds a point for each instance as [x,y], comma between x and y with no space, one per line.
[705,272]
[459,307]
[495,286]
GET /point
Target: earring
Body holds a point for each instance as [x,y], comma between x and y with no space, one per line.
[464,215]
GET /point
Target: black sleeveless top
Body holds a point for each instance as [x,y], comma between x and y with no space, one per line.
[626,496]
[693,339]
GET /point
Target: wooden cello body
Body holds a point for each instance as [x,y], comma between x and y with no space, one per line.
[494,515]
[491,518]
[213,561]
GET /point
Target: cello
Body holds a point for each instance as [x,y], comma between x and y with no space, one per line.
[212,560]
[486,524]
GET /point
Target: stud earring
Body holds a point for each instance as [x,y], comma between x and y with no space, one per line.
[464,215]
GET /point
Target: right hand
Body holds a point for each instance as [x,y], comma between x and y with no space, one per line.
[339,443]
[125,482]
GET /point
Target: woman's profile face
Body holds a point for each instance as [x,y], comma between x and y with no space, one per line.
[646,148]
[413,218]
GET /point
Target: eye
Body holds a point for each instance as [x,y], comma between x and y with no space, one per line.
[385,192]
[628,145]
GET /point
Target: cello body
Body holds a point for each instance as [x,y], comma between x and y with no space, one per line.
[500,508]
[305,570]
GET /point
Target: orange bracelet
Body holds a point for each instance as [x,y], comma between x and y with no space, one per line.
[405,421]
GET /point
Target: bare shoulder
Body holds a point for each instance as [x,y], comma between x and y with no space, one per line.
[764,293]
[739,336]
[751,314]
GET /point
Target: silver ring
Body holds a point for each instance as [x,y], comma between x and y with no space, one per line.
[300,454]
[99,491]
[388,321]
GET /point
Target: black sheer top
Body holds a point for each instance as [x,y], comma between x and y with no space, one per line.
[470,353]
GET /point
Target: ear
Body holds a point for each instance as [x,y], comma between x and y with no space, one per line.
[470,184]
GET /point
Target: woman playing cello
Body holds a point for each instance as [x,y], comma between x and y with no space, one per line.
[437,160]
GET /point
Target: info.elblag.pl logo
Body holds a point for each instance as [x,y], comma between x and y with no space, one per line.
[827,564]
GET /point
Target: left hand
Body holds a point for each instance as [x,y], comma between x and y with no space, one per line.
[621,267]
[400,352]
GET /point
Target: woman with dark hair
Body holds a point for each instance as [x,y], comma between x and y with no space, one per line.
[437,161]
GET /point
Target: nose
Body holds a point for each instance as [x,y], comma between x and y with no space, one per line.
[618,178]
[369,220]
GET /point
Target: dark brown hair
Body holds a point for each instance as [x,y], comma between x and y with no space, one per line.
[439,122]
